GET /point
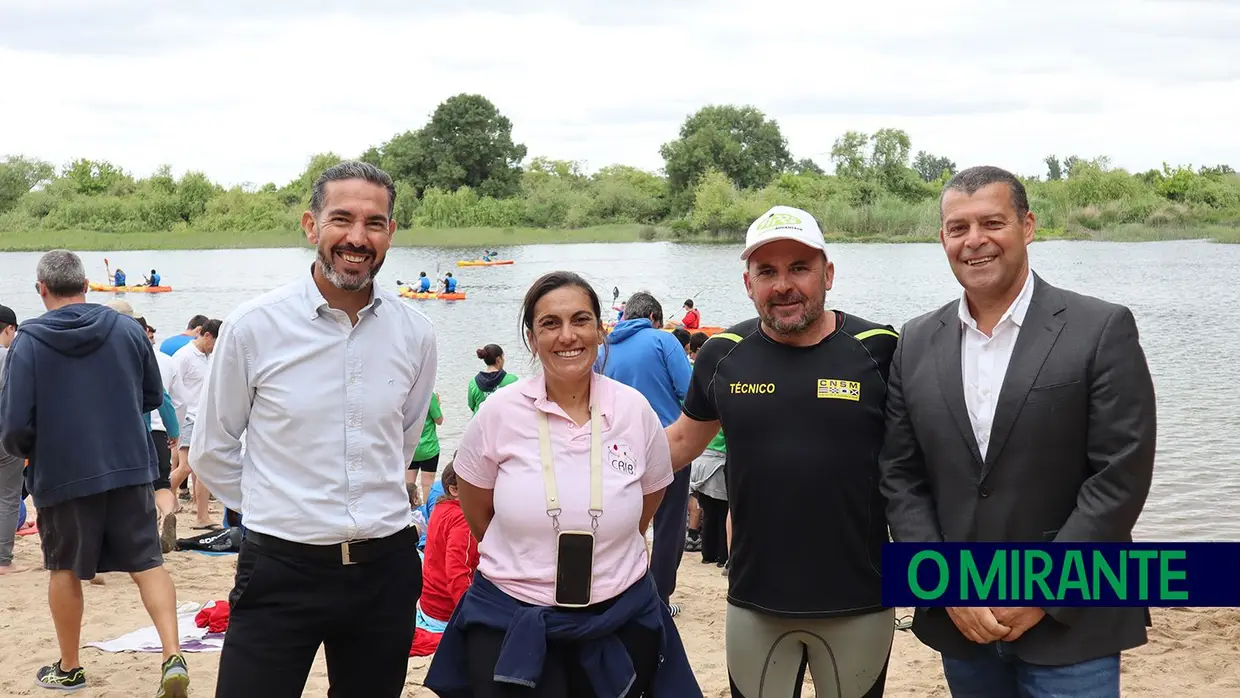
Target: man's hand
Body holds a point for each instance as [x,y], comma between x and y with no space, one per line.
[979,624]
[1018,619]
[174,444]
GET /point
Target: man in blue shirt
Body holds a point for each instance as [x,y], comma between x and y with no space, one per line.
[424,283]
[154,280]
[641,355]
[192,331]
[449,283]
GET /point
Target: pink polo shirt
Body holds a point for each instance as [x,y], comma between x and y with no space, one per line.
[499,451]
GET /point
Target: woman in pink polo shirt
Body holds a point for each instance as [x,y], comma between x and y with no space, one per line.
[559,478]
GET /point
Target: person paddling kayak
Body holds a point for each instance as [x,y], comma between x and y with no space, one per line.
[449,284]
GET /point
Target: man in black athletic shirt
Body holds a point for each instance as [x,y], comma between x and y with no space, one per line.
[800,391]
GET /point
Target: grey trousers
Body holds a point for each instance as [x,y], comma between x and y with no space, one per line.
[11,471]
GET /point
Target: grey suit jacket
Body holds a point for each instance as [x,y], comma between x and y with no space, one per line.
[1071,455]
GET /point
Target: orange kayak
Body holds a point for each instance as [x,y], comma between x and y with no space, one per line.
[406,292]
[710,330]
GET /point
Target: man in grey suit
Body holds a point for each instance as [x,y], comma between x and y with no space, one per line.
[1020,412]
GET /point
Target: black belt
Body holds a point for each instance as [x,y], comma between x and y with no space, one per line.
[347,553]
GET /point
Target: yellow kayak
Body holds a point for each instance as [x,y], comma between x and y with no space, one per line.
[104,288]
[481,263]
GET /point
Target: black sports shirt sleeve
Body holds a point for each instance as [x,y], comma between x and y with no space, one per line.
[700,401]
[881,345]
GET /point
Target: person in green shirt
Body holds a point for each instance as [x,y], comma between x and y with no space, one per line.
[426,458]
[490,379]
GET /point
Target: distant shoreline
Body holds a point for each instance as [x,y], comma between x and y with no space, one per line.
[474,239]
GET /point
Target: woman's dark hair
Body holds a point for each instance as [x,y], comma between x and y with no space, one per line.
[546,284]
[490,354]
[682,336]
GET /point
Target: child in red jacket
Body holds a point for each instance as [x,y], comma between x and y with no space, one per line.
[447,570]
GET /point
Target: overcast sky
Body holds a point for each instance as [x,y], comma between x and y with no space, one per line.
[247,90]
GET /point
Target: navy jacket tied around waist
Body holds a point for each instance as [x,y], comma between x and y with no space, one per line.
[529,628]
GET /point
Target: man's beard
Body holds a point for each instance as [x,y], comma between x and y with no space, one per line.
[813,311]
[344,281]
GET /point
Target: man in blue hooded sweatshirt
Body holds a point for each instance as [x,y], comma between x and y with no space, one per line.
[79,381]
[641,355]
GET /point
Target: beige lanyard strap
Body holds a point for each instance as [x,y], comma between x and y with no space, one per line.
[596,469]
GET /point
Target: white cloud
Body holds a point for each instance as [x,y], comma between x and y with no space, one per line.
[249,94]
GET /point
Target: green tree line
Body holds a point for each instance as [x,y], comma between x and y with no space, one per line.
[726,166]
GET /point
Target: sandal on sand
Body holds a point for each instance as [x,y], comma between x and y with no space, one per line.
[904,623]
[168,534]
[209,527]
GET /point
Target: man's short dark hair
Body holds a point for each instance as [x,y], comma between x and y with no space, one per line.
[972,179]
[351,170]
[696,340]
[644,305]
[196,322]
[682,335]
[212,327]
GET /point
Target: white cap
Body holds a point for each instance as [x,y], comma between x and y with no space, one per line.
[784,223]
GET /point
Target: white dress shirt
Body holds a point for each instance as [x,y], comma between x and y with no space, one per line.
[189,372]
[166,374]
[331,414]
[984,361]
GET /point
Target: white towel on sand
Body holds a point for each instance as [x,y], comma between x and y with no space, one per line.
[193,638]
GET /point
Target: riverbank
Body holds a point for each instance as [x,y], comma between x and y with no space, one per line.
[473,238]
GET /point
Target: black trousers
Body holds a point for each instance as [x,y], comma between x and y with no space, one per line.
[283,608]
[714,528]
[671,520]
[562,675]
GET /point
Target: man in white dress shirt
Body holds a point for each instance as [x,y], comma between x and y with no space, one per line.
[329,378]
[190,365]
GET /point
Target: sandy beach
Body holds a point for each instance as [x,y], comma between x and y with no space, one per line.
[1191,652]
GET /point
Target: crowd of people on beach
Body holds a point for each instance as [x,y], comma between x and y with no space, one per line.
[786,449]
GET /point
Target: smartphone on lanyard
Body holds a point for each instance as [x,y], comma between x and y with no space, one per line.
[574,550]
[574,568]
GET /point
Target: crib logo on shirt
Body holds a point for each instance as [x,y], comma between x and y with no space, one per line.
[621,460]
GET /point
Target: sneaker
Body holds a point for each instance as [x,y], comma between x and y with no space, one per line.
[175,680]
[57,679]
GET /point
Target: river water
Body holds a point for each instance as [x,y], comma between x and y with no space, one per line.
[1185,295]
